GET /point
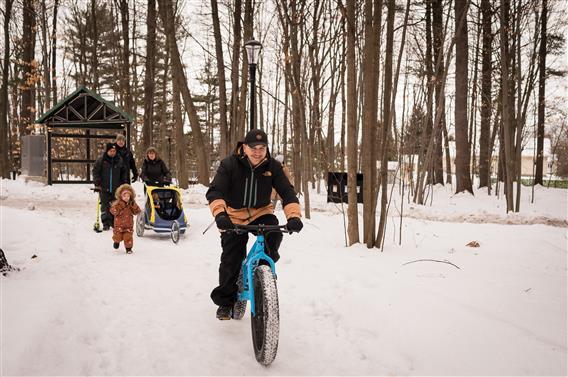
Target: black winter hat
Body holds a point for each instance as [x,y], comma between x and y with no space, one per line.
[256,137]
[110,146]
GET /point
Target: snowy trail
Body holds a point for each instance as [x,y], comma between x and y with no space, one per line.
[81,308]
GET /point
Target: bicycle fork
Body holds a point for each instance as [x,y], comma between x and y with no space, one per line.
[249,264]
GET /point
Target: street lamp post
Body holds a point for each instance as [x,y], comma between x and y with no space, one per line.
[253,48]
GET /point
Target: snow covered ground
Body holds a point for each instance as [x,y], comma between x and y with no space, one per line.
[77,307]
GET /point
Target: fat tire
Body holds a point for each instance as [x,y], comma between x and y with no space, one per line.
[240,307]
[265,323]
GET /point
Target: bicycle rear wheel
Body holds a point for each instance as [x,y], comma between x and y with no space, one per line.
[265,323]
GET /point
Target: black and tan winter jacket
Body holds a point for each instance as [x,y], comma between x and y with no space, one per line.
[244,192]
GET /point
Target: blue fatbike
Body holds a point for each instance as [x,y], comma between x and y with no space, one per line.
[257,284]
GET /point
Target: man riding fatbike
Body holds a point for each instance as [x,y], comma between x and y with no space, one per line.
[240,194]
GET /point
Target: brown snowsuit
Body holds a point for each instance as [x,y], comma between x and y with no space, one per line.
[123,216]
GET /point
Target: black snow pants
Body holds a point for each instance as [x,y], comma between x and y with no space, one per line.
[234,251]
[106,199]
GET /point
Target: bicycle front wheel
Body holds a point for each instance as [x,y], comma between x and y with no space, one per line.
[265,322]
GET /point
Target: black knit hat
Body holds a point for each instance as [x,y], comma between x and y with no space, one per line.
[110,146]
[256,137]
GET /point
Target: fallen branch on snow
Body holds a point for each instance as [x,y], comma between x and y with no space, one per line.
[432,260]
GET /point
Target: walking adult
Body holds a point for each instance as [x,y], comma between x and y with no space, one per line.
[109,172]
[127,157]
[154,170]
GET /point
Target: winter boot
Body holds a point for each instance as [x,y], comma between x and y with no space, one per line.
[128,250]
[115,245]
[106,227]
[224,312]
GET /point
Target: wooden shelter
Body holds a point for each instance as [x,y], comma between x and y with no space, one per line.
[83,115]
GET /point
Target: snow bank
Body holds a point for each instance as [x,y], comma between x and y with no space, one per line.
[77,307]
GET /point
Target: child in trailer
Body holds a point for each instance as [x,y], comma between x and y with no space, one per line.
[124,208]
[156,199]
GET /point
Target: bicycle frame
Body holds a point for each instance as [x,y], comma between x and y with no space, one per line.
[255,254]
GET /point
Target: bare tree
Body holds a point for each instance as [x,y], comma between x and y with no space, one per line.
[181,145]
[4,130]
[485,125]
[463,177]
[27,115]
[166,13]
[94,53]
[541,94]
[507,123]
[438,48]
[45,101]
[54,54]
[352,213]
[387,117]
[126,93]
[149,75]
[369,128]
[223,127]
[236,55]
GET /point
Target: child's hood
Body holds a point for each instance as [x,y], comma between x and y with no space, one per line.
[123,187]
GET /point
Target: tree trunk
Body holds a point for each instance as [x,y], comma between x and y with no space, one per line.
[164,110]
[429,88]
[166,13]
[387,119]
[27,115]
[94,53]
[4,130]
[352,213]
[343,99]
[463,177]
[506,124]
[54,54]
[519,115]
[473,102]
[247,35]
[236,58]
[46,100]
[149,75]
[541,95]
[438,46]
[125,75]
[369,128]
[223,127]
[485,113]
[181,145]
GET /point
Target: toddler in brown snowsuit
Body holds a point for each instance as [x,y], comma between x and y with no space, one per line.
[124,208]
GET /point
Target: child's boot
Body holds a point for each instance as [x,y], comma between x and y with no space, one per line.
[128,250]
[115,245]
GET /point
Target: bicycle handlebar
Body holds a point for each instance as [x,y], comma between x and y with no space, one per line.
[260,228]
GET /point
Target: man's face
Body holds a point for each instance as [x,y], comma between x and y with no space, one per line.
[255,154]
[120,143]
[111,152]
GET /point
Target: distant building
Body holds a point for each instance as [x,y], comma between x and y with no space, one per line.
[528,159]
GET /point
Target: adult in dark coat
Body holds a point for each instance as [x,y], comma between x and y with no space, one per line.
[240,194]
[127,157]
[154,170]
[109,172]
